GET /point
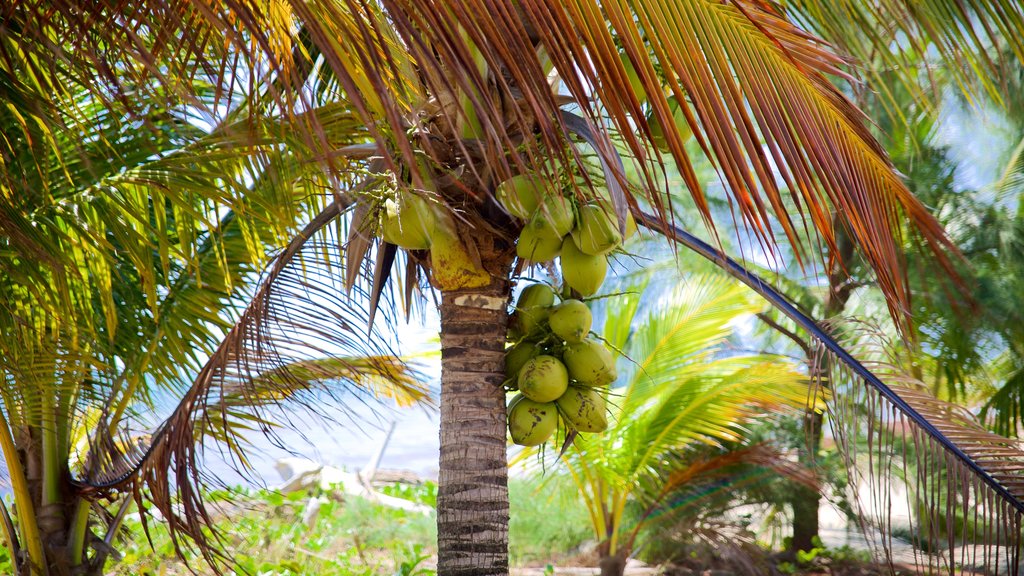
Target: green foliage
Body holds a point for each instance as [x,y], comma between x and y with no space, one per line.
[425,493]
[679,410]
[547,520]
[354,537]
[266,535]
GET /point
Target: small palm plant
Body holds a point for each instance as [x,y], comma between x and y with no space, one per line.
[682,392]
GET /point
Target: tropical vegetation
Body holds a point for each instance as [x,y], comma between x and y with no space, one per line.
[679,412]
[153,161]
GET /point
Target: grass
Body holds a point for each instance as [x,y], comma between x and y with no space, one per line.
[266,534]
[548,522]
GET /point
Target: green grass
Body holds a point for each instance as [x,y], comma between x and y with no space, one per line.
[266,536]
[548,521]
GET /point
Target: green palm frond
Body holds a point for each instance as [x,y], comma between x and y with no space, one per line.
[300,342]
[683,402]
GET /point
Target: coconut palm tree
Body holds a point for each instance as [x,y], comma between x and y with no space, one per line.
[450,99]
[679,408]
[131,231]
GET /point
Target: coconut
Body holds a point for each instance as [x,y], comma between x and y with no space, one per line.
[635,83]
[582,272]
[603,197]
[682,127]
[589,363]
[517,355]
[543,379]
[557,211]
[583,409]
[532,309]
[531,423]
[521,194]
[408,222]
[630,227]
[597,234]
[570,321]
[539,241]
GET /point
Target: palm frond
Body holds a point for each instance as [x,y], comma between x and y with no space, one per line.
[958,469]
[300,341]
[756,90]
[977,41]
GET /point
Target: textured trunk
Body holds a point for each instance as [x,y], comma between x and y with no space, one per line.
[613,565]
[472,501]
[806,502]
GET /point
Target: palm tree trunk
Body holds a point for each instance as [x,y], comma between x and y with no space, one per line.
[472,500]
[806,502]
[613,565]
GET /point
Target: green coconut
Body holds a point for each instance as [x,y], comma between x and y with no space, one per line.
[543,379]
[583,409]
[682,127]
[558,212]
[408,222]
[522,194]
[589,363]
[605,196]
[570,321]
[582,272]
[517,355]
[531,423]
[539,241]
[597,234]
[532,309]
[635,83]
[630,227]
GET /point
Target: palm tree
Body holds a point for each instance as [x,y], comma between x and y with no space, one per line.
[131,230]
[445,101]
[679,412]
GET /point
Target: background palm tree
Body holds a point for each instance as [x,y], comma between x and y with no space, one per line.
[133,223]
[678,415]
[451,99]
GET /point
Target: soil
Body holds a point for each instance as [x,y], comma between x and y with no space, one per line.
[636,568]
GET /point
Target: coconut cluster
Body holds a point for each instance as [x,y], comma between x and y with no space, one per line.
[410,221]
[559,371]
[582,233]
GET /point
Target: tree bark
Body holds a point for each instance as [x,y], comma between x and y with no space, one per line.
[806,502]
[472,500]
[614,565]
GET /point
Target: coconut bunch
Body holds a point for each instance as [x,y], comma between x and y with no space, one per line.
[558,224]
[411,221]
[559,371]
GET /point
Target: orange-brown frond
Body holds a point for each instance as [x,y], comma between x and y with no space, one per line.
[790,148]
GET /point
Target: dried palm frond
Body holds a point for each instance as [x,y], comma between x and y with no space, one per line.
[965,484]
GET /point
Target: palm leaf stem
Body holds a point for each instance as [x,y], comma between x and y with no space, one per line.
[9,533]
[78,531]
[782,303]
[22,497]
[112,529]
[51,455]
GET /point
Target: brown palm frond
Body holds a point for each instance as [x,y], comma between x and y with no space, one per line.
[756,88]
[952,511]
[975,41]
[462,83]
[965,484]
[302,341]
